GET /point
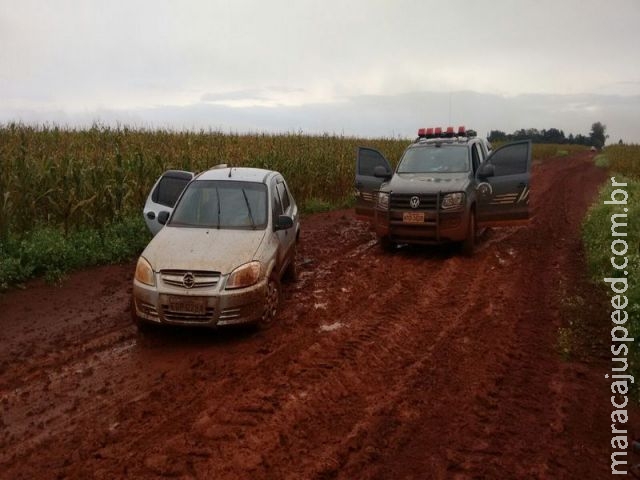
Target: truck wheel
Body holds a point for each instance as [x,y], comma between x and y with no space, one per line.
[469,243]
[386,244]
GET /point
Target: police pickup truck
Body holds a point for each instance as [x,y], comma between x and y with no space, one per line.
[446,187]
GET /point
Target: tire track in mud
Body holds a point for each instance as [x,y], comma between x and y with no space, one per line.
[508,432]
[417,364]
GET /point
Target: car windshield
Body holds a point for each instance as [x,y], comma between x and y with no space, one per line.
[222,204]
[432,159]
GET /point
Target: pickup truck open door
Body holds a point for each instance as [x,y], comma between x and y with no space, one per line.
[367,183]
[503,186]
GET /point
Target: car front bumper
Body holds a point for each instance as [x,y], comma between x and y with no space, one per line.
[221,307]
[438,227]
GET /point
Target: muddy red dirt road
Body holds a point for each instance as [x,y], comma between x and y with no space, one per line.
[420,364]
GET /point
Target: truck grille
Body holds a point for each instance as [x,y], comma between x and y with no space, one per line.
[402,201]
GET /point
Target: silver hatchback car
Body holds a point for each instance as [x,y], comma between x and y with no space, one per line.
[221,252]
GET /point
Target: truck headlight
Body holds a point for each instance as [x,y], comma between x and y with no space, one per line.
[144,272]
[383,200]
[244,276]
[452,200]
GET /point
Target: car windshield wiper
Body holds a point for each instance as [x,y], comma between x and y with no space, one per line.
[253,224]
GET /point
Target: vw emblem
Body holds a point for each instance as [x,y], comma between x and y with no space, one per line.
[188,280]
[414,202]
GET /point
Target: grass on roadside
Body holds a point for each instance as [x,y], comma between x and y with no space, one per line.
[597,237]
[48,252]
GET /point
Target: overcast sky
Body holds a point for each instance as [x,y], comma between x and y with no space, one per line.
[359,67]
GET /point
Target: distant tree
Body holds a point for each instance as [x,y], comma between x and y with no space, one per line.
[597,135]
[620,142]
[497,136]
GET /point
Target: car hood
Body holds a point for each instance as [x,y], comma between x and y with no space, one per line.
[208,249]
[427,182]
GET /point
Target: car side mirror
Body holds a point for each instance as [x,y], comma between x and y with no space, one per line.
[380,172]
[285,222]
[486,170]
[163,217]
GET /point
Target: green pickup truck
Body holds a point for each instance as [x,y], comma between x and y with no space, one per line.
[446,187]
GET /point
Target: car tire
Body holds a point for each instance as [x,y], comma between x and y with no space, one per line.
[141,325]
[469,243]
[387,244]
[291,272]
[271,304]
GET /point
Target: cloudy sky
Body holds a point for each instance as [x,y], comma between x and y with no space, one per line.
[357,67]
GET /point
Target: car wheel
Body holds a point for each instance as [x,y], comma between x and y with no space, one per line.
[386,244]
[469,243]
[271,304]
[141,325]
[291,272]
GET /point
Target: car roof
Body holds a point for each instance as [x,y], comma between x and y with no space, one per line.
[239,174]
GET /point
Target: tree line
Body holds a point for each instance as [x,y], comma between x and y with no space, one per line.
[596,137]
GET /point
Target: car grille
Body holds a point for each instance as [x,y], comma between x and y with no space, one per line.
[200,278]
[403,201]
[187,317]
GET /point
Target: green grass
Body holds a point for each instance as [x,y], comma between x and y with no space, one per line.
[597,236]
[47,251]
[602,161]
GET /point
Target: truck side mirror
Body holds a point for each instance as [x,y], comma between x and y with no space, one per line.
[486,170]
[381,172]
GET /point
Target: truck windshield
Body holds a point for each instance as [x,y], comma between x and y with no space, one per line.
[222,204]
[432,159]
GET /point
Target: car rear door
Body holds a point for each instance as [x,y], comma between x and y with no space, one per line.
[503,195]
[163,196]
[367,184]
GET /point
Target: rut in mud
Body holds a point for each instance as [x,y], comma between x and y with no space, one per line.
[417,364]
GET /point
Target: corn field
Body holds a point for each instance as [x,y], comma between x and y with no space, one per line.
[68,178]
[625,159]
[73,178]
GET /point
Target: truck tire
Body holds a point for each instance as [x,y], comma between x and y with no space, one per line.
[386,244]
[469,243]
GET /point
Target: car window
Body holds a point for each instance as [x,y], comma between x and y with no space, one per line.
[432,159]
[277,205]
[369,160]
[168,190]
[284,196]
[222,204]
[510,160]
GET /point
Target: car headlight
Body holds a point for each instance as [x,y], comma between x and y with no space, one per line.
[144,272]
[452,200]
[383,200]
[244,276]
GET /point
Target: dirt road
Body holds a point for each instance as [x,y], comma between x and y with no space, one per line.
[420,364]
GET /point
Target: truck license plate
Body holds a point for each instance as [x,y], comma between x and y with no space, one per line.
[413,217]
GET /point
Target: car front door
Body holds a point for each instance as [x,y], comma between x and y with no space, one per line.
[163,196]
[367,184]
[503,186]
